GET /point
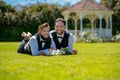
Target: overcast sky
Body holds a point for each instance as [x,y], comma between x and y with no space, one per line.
[26,2]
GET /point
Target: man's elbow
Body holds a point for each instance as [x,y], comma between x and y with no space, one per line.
[34,54]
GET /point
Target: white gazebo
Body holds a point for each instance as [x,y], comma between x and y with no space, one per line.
[91,10]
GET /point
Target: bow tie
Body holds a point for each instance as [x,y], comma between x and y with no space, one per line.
[59,37]
[42,41]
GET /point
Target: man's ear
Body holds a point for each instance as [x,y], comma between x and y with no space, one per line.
[39,31]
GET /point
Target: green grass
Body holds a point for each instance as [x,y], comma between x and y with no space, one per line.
[95,61]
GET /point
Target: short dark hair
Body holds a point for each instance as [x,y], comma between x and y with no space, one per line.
[42,26]
[61,20]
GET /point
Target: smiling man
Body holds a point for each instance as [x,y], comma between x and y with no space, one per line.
[38,44]
[62,38]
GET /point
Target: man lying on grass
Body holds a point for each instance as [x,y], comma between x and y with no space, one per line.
[38,44]
[62,38]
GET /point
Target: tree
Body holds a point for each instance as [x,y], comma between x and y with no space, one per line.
[27,18]
[115,6]
[6,13]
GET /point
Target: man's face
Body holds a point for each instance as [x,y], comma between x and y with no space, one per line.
[59,27]
[45,32]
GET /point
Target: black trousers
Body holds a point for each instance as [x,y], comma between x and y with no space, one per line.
[21,48]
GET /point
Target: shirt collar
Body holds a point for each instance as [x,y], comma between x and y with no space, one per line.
[41,38]
[61,35]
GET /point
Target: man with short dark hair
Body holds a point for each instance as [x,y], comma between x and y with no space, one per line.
[62,38]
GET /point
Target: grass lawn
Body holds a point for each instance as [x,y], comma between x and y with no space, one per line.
[95,61]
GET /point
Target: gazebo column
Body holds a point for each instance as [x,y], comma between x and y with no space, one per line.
[100,30]
[92,23]
[66,19]
[107,31]
[111,25]
[75,30]
[81,23]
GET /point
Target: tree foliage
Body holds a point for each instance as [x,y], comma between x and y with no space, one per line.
[28,18]
[115,6]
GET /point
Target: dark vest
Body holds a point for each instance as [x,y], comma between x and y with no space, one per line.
[47,43]
[64,42]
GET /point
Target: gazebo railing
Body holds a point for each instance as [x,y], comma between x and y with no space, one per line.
[105,32]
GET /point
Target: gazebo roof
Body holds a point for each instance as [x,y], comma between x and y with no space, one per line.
[87,5]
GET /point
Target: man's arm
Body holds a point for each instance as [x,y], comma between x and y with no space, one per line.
[34,46]
[53,46]
[70,43]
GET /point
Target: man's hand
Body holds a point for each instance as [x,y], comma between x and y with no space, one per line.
[74,52]
[52,49]
[42,53]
